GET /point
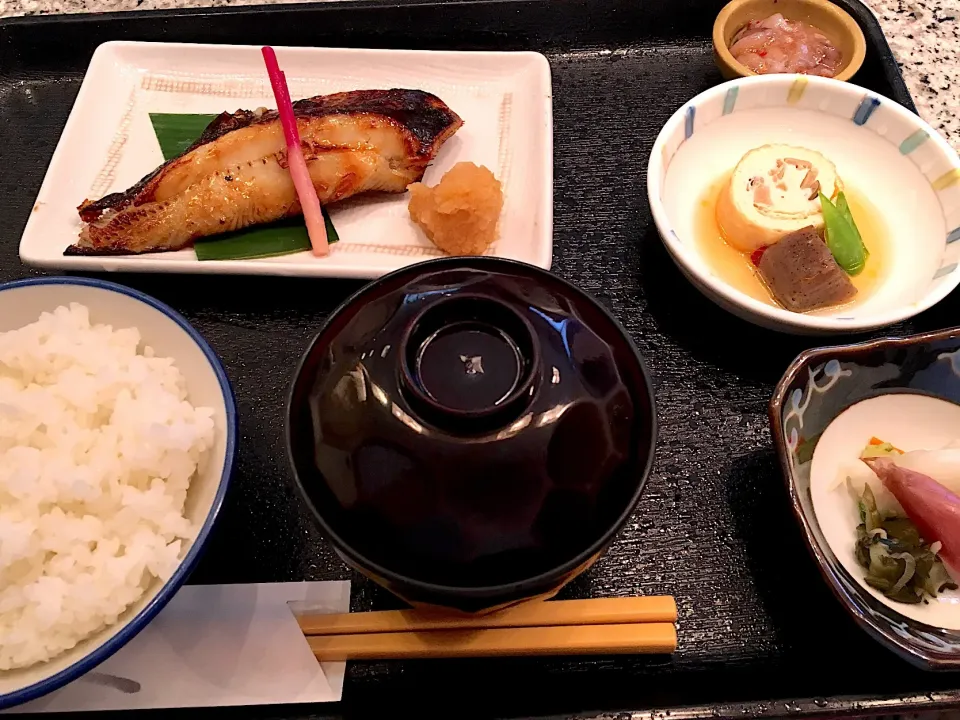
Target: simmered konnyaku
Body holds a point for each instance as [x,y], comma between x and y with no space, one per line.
[801,273]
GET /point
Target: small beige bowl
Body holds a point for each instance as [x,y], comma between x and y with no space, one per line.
[836,24]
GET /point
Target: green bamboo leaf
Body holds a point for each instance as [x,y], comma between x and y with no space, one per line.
[332,234]
[175,133]
[280,238]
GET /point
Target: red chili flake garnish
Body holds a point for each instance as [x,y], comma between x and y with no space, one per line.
[756,255]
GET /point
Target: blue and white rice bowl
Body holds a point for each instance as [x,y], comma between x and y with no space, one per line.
[887,153]
[207,386]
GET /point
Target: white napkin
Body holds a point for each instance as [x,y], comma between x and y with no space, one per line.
[215,645]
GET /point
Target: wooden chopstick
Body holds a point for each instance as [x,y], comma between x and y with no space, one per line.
[570,640]
[597,611]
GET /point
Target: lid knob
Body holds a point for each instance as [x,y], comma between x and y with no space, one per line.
[469,360]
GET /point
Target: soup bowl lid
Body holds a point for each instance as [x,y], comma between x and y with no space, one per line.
[470,425]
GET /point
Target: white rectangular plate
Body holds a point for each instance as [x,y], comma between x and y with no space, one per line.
[108,144]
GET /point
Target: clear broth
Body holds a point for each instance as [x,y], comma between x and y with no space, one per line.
[737,270]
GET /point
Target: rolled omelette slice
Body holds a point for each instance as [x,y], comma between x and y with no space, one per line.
[773,192]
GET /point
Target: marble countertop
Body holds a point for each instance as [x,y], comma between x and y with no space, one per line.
[924,35]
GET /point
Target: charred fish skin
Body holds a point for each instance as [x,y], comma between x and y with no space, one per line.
[235,175]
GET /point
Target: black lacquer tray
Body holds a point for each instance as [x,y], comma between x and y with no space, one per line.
[760,633]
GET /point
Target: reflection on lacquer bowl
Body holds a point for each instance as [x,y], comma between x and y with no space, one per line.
[471,432]
[714,206]
[888,396]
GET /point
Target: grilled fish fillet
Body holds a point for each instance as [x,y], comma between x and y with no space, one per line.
[236,174]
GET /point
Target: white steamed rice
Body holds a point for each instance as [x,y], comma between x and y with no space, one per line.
[98,445]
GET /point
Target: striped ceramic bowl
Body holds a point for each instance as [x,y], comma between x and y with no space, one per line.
[907,176]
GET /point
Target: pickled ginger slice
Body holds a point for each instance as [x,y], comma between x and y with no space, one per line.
[941,465]
[933,508]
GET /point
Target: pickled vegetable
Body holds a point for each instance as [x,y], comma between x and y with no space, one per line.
[899,563]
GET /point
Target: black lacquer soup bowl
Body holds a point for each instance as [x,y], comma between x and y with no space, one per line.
[471,432]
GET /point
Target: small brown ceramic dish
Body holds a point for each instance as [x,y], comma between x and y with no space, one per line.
[471,432]
[839,27]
